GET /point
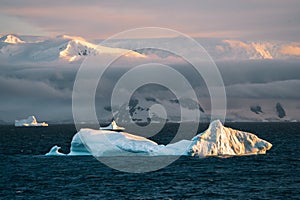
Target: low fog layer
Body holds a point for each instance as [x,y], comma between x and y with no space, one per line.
[46,91]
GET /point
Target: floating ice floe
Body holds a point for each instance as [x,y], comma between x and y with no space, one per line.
[217,140]
[30,121]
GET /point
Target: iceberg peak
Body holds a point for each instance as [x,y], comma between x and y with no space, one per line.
[216,124]
[219,140]
[215,127]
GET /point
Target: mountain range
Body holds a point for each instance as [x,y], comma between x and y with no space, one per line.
[22,50]
[71,48]
[140,111]
[61,48]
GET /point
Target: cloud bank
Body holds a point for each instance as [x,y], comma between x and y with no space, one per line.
[46,92]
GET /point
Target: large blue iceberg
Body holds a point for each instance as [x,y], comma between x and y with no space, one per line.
[217,140]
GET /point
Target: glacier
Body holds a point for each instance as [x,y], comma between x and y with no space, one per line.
[30,121]
[217,140]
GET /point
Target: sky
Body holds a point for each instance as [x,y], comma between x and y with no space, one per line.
[249,20]
[236,32]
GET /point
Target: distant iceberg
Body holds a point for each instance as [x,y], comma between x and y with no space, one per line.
[30,121]
[217,140]
[113,127]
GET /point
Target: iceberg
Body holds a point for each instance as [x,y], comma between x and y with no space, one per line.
[77,146]
[217,140]
[30,121]
[54,151]
[113,127]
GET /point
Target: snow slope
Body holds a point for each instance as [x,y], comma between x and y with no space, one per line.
[60,48]
[78,47]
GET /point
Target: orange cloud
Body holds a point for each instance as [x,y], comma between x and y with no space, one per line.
[262,50]
[236,44]
[290,50]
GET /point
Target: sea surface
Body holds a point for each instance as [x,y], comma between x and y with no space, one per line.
[27,174]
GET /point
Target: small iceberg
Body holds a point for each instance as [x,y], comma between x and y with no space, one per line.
[217,140]
[113,127]
[54,151]
[30,121]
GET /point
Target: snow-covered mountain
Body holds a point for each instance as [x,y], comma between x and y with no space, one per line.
[26,51]
[220,49]
[72,48]
[11,39]
[141,110]
[77,48]
[265,112]
[60,48]
[144,110]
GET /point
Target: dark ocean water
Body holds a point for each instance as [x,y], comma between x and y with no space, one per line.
[27,174]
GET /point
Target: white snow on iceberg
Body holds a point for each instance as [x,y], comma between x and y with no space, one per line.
[30,121]
[110,143]
[217,140]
